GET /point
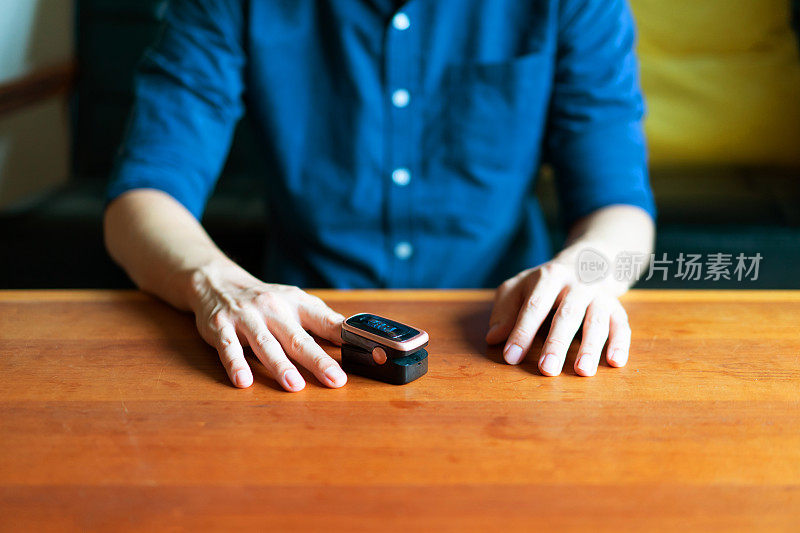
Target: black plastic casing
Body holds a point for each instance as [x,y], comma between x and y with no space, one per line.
[395,371]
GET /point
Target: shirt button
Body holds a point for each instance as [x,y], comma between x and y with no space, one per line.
[400,98]
[401,177]
[403,250]
[401,22]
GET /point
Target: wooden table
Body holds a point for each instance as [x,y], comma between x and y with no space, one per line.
[115,415]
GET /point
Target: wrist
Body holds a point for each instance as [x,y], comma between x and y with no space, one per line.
[198,281]
[593,263]
[572,252]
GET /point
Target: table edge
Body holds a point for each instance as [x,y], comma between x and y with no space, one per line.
[406,295]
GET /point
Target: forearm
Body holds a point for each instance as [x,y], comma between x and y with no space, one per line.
[161,246]
[611,231]
[167,253]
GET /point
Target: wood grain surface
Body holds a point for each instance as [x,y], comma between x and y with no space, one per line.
[114,415]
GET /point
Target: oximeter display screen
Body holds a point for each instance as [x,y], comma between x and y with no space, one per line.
[383,327]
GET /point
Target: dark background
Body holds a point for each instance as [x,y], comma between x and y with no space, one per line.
[58,241]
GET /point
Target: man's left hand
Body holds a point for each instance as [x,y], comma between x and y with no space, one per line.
[522,304]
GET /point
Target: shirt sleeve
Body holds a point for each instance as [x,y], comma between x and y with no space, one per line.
[187,101]
[595,140]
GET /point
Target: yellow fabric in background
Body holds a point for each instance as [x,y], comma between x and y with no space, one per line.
[722,80]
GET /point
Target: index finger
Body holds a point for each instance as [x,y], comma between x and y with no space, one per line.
[303,349]
[532,314]
[320,319]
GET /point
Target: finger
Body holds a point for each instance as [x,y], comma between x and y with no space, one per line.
[302,348]
[270,353]
[231,354]
[619,338]
[507,301]
[531,314]
[317,317]
[595,333]
[566,322]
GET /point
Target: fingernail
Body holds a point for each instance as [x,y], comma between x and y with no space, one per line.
[492,329]
[513,354]
[293,379]
[585,366]
[336,375]
[619,356]
[550,365]
[243,379]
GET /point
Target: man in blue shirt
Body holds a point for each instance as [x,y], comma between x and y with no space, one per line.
[404,139]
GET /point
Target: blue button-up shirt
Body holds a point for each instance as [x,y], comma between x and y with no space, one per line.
[403,139]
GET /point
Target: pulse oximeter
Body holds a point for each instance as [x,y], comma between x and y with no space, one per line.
[382,349]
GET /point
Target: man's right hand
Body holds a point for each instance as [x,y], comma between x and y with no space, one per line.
[234,309]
